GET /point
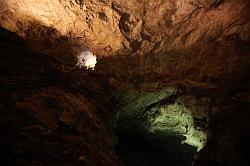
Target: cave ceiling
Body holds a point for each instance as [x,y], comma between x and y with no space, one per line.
[138,49]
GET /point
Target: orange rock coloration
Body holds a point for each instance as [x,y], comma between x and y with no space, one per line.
[53,113]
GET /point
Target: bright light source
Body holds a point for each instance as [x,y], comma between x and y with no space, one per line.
[86,59]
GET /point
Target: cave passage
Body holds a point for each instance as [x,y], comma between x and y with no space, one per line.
[124,82]
[155,128]
[154,150]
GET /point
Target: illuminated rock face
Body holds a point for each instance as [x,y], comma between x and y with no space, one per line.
[181,121]
[177,119]
[92,24]
[115,27]
[199,46]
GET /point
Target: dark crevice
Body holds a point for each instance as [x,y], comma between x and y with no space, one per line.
[216,4]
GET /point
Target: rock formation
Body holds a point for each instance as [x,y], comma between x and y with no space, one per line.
[53,113]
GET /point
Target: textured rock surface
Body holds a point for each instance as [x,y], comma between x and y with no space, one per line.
[182,120]
[49,118]
[110,27]
[200,46]
[175,118]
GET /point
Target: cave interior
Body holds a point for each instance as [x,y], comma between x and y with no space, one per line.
[146,83]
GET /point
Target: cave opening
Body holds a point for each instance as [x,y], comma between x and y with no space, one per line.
[160,128]
[152,150]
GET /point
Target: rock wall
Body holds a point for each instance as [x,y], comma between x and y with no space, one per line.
[200,46]
[110,27]
[48,117]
